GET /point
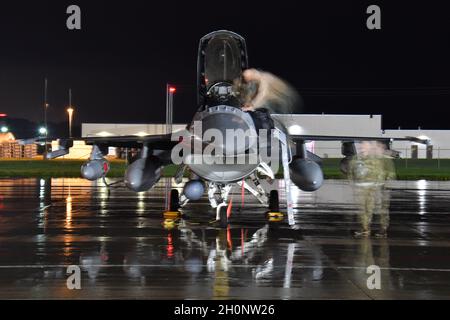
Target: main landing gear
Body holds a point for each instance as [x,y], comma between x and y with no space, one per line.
[274,214]
[174,200]
[171,215]
[218,195]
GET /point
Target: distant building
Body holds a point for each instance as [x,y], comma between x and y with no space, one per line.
[331,125]
[80,150]
[10,148]
[7,137]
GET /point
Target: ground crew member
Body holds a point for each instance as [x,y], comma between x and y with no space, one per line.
[368,171]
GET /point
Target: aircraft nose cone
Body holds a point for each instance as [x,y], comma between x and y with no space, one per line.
[228,129]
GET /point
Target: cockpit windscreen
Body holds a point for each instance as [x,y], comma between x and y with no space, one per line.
[222,60]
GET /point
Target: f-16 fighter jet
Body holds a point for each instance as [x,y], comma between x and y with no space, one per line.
[235,137]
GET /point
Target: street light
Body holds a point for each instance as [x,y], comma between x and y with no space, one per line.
[4,129]
[170,90]
[70,113]
[43,131]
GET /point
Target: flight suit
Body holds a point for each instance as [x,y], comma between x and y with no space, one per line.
[369,174]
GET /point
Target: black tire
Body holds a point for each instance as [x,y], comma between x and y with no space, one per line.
[174,200]
[223,219]
[274,201]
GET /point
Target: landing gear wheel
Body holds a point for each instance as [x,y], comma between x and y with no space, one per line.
[174,200]
[223,218]
[274,201]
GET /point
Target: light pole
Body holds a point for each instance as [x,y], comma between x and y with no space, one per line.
[45,114]
[170,90]
[45,103]
[70,113]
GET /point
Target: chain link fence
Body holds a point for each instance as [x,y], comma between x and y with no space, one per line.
[411,157]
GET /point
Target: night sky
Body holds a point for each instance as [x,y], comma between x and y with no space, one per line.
[119,63]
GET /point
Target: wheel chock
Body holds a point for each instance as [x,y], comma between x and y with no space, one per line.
[275,216]
[171,215]
[169,224]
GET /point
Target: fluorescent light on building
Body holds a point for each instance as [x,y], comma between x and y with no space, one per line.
[295,129]
[104,134]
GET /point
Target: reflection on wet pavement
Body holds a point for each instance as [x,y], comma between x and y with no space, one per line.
[124,251]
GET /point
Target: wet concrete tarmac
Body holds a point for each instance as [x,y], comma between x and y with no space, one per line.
[123,249]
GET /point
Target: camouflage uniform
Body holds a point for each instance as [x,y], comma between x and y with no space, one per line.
[369,173]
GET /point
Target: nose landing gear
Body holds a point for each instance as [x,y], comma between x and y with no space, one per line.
[222,215]
[220,203]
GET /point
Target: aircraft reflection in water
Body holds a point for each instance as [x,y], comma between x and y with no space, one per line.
[257,256]
[140,258]
[224,258]
[215,263]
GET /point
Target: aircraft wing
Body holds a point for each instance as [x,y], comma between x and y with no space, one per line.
[158,141]
[348,147]
[354,138]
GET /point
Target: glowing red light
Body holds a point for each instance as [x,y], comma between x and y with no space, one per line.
[2,115]
[230,205]
[229,240]
[172,89]
[170,247]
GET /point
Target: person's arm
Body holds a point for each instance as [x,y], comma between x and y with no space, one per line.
[273,93]
[390,169]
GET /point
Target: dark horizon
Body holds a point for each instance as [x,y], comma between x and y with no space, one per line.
[119,63]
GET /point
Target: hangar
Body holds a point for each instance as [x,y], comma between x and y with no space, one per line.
[314,124]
